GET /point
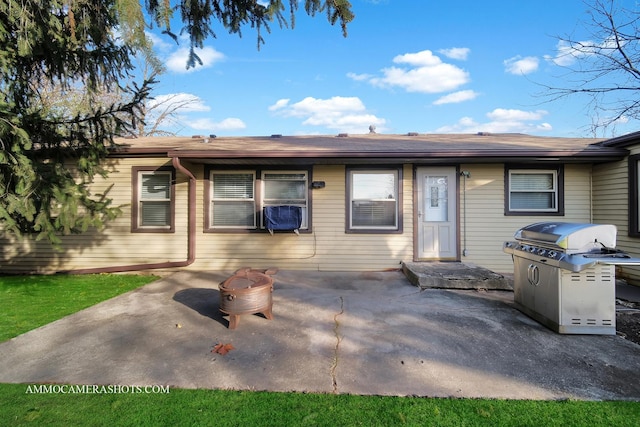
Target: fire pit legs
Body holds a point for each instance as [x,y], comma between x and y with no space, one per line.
[248,291]
[234,319]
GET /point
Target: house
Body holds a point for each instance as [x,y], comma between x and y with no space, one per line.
[616,196]
[363,202]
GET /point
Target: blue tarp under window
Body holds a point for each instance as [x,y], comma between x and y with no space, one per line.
[282,218]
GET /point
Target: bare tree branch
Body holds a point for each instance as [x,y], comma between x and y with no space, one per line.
[604,68]
[167,112]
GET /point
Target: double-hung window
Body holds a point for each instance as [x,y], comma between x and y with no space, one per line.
[153,204]
[233,200]
[237,198]
[533,191]
[373,200]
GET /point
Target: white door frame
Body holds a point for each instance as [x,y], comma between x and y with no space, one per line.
[439,238]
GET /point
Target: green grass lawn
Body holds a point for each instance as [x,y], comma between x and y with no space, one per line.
[243,408]
[29,302]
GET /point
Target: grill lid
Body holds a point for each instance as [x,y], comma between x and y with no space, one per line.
[570,237]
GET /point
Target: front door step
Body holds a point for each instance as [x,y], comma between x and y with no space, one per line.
[454,275]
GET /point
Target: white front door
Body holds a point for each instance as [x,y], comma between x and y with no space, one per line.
[437,225]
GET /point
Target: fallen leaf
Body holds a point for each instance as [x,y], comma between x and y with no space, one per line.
[222,349]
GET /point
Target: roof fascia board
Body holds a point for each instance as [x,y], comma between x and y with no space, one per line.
[138,152]
[606,154]
[622,141]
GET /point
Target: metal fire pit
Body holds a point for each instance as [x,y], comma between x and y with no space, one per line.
[248,291]
[564,275]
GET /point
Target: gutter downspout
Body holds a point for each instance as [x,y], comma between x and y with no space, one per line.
[191,237]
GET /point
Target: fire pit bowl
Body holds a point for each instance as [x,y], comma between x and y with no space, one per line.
[248,291]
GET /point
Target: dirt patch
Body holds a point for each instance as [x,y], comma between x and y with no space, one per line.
[628,320]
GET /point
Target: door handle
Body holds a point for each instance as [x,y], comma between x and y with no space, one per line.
[533,274]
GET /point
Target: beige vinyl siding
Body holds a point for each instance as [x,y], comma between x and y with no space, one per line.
[611,206]
[326,248]
[113,246]
[121,247]
[487,228]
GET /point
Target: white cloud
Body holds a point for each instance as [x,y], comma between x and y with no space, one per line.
[206,124]
[567,53]
[424,72]
[359,77]
[456,97]
[502,114]
[502,120]
[343,114]
[280,104]
[460,53]
[180,102]
[424,58]
[180,108]
[160,43]
[332,106]
[177,61]
[519,65]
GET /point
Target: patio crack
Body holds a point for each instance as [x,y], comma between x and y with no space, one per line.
[336,332]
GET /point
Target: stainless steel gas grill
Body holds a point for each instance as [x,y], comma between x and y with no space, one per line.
[564,275]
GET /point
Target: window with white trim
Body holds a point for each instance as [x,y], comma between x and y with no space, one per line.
[533,191]
[233,203]
[154,200]
[373,199]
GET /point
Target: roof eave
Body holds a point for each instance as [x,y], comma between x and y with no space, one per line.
[597,154]
[600,155]
[622,141]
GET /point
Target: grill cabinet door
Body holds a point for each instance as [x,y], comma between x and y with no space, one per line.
[536,289]
[547,291]
[523,292]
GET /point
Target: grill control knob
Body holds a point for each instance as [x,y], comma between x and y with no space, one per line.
[542,252]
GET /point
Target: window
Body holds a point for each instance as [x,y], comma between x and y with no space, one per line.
[236,199]
[373,200]
[286,189]
[153,204]
[634,195]
[533,191]
[233,200]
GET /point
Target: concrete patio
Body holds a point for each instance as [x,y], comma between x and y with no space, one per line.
[361,333]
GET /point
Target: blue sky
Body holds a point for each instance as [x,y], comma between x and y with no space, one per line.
[427,66]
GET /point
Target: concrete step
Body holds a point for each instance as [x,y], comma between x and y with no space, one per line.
[454,275]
